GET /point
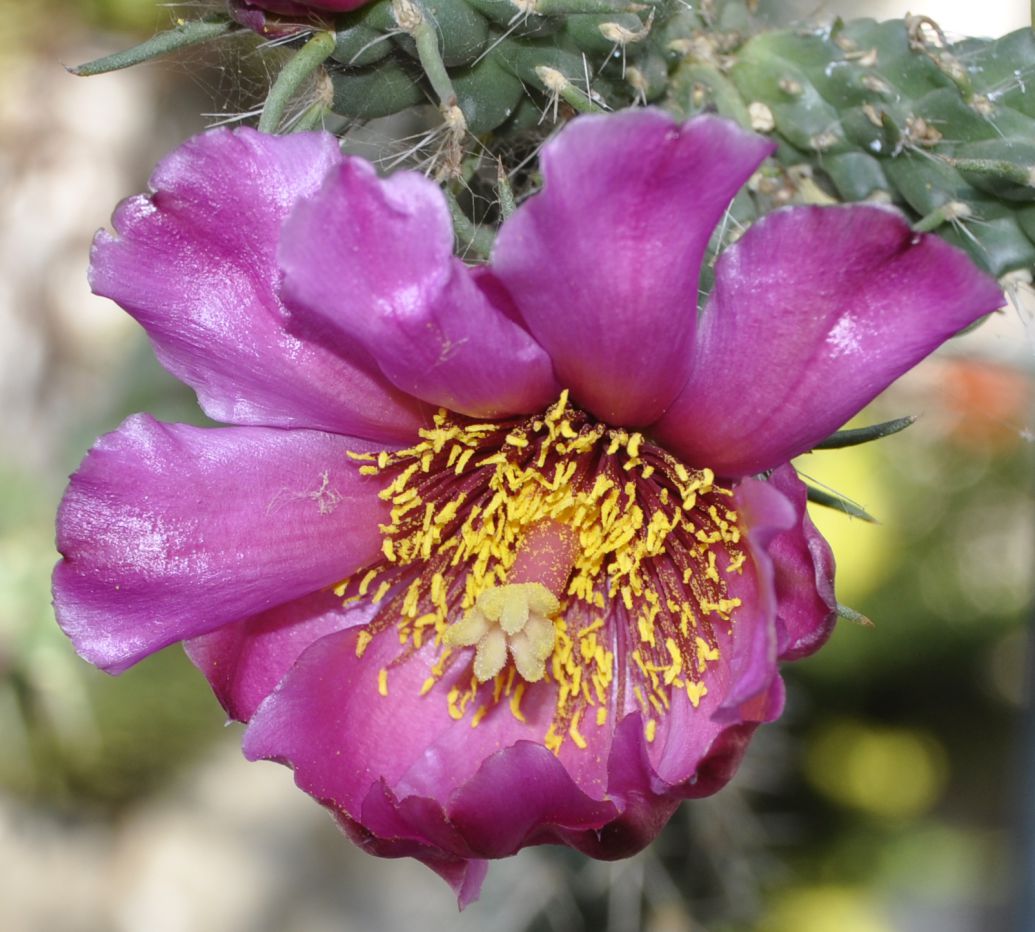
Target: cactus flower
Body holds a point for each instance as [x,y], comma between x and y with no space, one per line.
[501,555]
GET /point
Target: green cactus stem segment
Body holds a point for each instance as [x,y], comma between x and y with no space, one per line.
[181,36]
[295,73]
[947,213]
[312,118]
[566,7]
[505,191]
[412,20]
[1021,175]
[557,85]
[470,237]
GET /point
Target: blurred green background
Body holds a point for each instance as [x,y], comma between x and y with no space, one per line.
[890,797]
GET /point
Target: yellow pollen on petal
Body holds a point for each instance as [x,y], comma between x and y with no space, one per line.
[696,692]
[575,734]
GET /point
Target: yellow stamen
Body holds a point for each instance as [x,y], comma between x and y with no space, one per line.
[530,541]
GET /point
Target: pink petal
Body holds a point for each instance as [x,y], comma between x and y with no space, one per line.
[464,874]
[815,311]
[329,704]
[371,261]
[195,264]
[244,661]
[521,796]
[804,568]
[401,770]
[603,262]
[169,531]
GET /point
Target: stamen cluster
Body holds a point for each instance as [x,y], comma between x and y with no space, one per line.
[655,545]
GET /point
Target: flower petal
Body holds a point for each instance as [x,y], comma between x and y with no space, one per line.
[332,700]
[403,770]
[804,569]
[397,822]
[244,661]
[170,531]
[815,311]
[766,514]
[539,795]
[195,264]
[603,262]
[371,261]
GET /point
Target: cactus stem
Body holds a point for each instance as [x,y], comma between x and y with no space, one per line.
[561,88]
[412,19]
[949,212]
[997,168]
[302,65]
[505,191]
[181,36]
[471,238]
[311,118]
[567,7]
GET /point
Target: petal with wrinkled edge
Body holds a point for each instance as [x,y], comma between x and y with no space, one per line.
[815,311]
[804,571]
[170,531]
[400,823]
[371,261]
[329,719]
[765,513]
[195,264]
[603,262]
[540,797]
[244,661]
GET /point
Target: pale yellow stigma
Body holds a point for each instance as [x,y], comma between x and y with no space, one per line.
[514,617]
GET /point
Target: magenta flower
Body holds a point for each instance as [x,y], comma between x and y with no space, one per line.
[491,556]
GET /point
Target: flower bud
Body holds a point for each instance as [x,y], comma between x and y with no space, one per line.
[277,18]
